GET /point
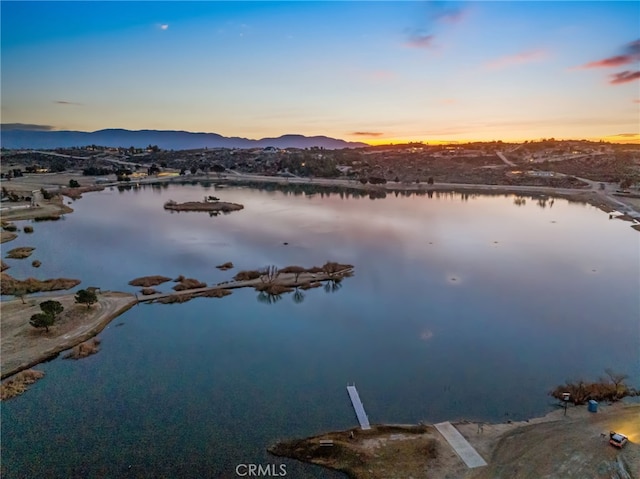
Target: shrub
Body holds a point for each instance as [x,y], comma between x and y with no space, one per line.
[189,283]
[247,275]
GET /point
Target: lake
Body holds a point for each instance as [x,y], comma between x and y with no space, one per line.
[461,306]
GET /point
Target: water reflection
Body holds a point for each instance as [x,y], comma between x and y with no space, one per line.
[175,383]
[333,285]
[298,296]
[268,298]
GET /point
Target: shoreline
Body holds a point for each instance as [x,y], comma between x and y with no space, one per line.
[16,328]
[388,450]
[112,305]
[587,195]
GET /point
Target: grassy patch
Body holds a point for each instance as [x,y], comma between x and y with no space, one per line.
[215,293]
[225,266]
[20,253]
[147,281]
[247,275]
[85,349]
[18,384]
[189,283]
[11,286]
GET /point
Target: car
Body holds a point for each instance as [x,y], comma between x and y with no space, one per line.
[617,440]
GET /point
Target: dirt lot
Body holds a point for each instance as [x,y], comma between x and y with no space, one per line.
[553,447]
[558,447]
[49,209]
[383,452]
[24,346]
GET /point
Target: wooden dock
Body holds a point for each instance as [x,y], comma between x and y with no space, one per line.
[358,407]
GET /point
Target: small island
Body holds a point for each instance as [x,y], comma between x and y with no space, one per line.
[207,205]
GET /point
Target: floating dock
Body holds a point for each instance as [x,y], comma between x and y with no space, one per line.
[459,444]
[358,407]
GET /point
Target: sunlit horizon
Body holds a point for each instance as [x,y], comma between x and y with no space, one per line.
[374,72]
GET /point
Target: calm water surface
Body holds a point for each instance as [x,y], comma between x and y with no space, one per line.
[461,307]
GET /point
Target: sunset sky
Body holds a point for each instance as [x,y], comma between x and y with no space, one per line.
[377,72]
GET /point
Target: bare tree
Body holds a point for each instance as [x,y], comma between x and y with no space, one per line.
[616,378]
[269,274]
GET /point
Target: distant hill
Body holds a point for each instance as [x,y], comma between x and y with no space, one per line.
[167,140]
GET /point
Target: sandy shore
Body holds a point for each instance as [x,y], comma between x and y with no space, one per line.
[553,446]
[24,346]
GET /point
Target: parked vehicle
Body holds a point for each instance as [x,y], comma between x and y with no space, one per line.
[617,440]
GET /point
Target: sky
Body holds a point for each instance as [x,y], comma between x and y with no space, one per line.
[378,72]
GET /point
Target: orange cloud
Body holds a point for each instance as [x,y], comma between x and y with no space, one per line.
[366,133]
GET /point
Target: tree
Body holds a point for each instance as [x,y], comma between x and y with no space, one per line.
[86,297]
[430,180]
[42,320]
[193,169]
[52,308]
[625,184]
[616,378]
[296,270]
[269,274]
[19,292]
[73,183]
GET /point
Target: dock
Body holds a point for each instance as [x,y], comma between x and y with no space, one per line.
[358,407]
[460,445]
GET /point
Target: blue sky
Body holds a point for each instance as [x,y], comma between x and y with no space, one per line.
[369,71]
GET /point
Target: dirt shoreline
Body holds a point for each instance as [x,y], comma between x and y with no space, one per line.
[47,209]
[553,446]
[24,347]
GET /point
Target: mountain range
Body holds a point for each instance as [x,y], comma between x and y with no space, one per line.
[16,138]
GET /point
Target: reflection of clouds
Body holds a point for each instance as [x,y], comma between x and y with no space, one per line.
[426,335]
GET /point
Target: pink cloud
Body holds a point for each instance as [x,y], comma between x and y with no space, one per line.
[517,59]
[420,41]
[624,77]
[631,54]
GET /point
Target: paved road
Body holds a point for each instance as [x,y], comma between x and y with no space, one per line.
[460,445]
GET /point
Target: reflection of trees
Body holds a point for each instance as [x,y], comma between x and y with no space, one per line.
[542,202]
[268,298]
[519,201]
[298,296]
[333,285]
